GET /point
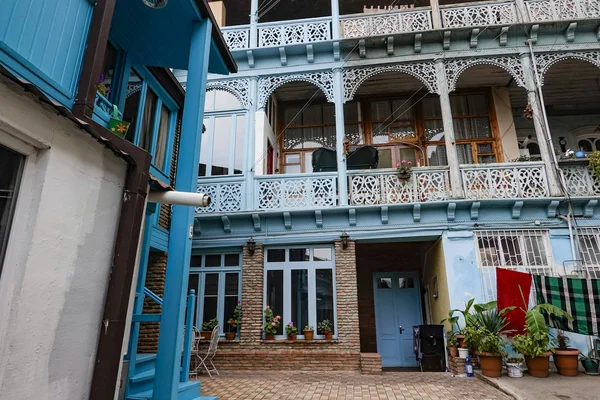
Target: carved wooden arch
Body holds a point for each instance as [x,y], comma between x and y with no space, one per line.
[268,84]
[238,87]
[511,64]
[355,77]
[547,60]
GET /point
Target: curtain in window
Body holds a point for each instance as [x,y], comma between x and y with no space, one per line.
[148,120]
[163,134]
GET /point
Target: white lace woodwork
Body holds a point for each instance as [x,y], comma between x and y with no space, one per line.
[504,13]
[546,60]
[293,192]
[237,38]
[580,181]
[355,77]
[385,23]
[294,32]
[559,10]
[385,187]
[322,79]
[240,88]
[504,181]
[511,64]
[133,88]
[225,196]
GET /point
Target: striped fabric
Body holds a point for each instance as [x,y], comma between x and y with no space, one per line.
[578,297]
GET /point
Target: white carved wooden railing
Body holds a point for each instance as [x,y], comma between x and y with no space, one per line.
[479,14]
[579,179]
[290,191]
[385,23]
[237,37]
[370,187]
[283,33]
[557,10]
[505,181]
[226,193]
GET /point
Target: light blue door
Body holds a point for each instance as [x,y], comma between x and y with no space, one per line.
[397,310]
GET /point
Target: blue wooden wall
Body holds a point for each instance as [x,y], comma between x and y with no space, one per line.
[43,41]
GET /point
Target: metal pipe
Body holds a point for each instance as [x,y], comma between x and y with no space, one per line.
[571,239]
[181,198]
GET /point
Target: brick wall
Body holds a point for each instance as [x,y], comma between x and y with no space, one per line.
[370,364]
[155,281]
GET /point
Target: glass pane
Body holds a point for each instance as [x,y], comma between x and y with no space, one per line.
[204,149]
[231,284]
[212,260]
[535,250]
[408,154]
[221,145]
[585,145]
[193,284]
[511,250]
[406,283]
[314,137]
[489,251]
[385,158]
[293,138]
[324,294]
[384,283]
[472,128]
[240,130]
[275,255]
[232,260]
[485,148]
[354,133]
[472,104]
[226,101]
[464,154]
[211,285]
[486,159]
[380,110]
[291,115]
[352,112]
[437,155]
[293,158]
[292,169]
[11,166]
[380,133]
[275,295]
[434,130]
[148,120]
[308,161]
[196,261]
[328,113]
[231,298]
[431,107]
[105,81]
[322,254]
[299,255]
[132,102]
[312,115]
[299,298]
[163,134]
[402,109]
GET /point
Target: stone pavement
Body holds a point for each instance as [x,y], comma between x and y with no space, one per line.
[347,385]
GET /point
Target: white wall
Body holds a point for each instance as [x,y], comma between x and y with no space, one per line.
[263,134]
[53,284]
[506,123]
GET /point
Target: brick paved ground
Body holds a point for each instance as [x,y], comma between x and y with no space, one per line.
[348,385]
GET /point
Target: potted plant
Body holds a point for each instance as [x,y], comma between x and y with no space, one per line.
[565,358]
[271,324]
[594,163]
[452,343]
[590,363]
[308,332]
[325,327]
[291,331]
[404,168]
[514,366]
[235,322]
[207,328]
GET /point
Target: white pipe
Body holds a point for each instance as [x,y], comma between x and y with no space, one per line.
[182,198]
[568,219]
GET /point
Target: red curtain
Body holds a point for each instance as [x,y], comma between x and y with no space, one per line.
[508,283]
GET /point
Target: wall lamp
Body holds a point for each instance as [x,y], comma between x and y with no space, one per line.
[251,246]
[344,236]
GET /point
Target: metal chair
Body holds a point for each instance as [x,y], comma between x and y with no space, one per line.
[195,353]
[205,359]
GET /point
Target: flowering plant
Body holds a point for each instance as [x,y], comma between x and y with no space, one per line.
[404,167]
[324,326]
[272,321]
[103,88]
[236,320]
[308,328]
[528,112]
[290,329]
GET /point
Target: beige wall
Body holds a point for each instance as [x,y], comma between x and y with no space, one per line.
[218,10]
[435,266]
[506,125]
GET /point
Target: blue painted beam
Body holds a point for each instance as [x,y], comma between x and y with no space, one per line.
[168,360]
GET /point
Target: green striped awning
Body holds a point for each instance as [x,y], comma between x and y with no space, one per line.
[578,297]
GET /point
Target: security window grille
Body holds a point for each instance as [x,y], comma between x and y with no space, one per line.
[588,240]
[520,250]
[11,165]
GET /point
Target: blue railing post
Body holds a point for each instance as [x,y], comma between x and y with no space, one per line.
[189,332]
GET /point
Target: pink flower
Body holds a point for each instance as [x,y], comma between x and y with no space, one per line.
[273,324]
[397,165]
[403,161]
[410,163]
[268,307]
[240,302]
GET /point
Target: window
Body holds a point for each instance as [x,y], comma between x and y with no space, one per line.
[222,151]
[588,240]
[106,79]
[524,251]
[216,278]
[11,165]
[299,285]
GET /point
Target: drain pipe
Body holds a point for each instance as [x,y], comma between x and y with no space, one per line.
[180,198]
[571,238]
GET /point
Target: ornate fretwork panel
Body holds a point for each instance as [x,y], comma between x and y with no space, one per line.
[557,10]
[580,181]
[133,88]
[455,67]
[225,197]
[547,60]
[499,182]
[355,77]
[322,79]
[295,192]
[386,23]
[237,39]
[481,15]
[282,35]
[240,88]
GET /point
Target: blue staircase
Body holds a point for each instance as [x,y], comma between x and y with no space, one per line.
[140,384]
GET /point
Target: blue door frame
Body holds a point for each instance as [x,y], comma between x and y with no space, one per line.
[397,300]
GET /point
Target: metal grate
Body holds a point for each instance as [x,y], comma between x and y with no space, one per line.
[520,250]
[588,240]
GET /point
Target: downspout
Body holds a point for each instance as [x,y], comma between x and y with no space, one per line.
[571,238]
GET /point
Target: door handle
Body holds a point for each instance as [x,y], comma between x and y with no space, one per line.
[401,329]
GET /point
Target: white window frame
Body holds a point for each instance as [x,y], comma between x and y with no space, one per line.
[488,270]
[589,266]
[311,266]
[222,270]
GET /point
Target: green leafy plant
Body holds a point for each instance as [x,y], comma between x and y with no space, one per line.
[290,329]
[468,315]
[594,163]
[324,326]
[451,339]
[272,322]
[562,341]
[525,158]
[210,325]
[236,320]
[308,328]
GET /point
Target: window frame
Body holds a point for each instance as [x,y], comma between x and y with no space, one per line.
[287,267]
[221,270]
[12,203]
[588,246]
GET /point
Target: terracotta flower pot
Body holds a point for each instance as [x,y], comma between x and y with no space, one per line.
[292,336]
[538,366]
[491,364]
[206,334]
[461,339]
[328,335]
[269,337]
[230,335]
[308,335]
[567,361]
[453,350]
